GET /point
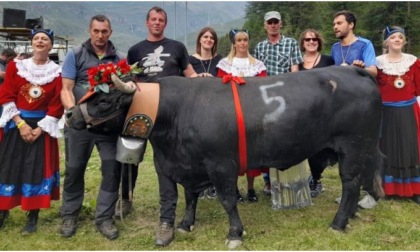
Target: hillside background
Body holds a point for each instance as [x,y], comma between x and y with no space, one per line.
[71,19]
[186,18]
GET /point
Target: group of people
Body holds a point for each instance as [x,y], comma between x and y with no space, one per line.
[36,92]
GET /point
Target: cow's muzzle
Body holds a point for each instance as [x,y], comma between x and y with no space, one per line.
[74,118]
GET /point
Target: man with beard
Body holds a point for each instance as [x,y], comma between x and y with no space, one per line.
[357,51]
[351,49]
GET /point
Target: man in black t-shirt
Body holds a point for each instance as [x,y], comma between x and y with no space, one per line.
[158,57]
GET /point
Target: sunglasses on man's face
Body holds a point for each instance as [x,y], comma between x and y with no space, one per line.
[309,39]
[275,21]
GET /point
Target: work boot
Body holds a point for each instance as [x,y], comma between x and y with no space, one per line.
[4,214]
[32,219]
[108,229]
[124,208]
[68,228]
[165,234]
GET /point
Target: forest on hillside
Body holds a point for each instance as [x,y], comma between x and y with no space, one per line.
[372,18]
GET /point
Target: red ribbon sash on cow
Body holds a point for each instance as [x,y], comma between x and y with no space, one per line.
[243,162]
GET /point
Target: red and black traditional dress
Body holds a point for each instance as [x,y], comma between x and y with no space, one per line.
[399,84]
[29,172]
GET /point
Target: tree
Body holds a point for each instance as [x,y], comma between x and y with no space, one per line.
[372,18]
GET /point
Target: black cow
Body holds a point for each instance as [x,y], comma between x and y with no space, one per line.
[288,118]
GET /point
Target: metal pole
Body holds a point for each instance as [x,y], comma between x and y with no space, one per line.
[186,20]
[175,22]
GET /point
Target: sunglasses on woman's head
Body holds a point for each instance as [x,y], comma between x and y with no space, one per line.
[309,39]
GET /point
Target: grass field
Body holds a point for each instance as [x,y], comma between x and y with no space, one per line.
[391,225]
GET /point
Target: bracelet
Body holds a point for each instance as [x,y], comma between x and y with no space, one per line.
[20,124]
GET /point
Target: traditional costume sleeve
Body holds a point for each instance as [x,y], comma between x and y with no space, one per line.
[262,70]
[262,74]
[221,73]
[55,111]
[416,77]
[8,95]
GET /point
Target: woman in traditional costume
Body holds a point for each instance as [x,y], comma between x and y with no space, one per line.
[399,83]
[29,158]
[240,63]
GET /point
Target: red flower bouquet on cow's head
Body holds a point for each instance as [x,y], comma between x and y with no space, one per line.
[99,77]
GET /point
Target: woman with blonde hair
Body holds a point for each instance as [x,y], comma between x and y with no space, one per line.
[399,83]
[241,63]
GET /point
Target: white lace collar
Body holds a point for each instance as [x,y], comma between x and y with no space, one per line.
[37,74]
[241,67]
[396,68]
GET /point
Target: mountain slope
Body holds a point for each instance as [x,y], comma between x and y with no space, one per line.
[71,19]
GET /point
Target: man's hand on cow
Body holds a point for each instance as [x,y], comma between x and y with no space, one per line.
[125,87]
[205,75]
[359,63]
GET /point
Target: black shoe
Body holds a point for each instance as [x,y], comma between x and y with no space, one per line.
[4,214]
[32,219]
[239,196]
[165,234]
[252,196]
[315,186]
[68,228]
[108,229]
[211,192]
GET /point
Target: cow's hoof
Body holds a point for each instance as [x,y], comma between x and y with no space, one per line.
[233,244]
[184,230]
[335,231]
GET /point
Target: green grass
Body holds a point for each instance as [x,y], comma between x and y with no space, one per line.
[391,225]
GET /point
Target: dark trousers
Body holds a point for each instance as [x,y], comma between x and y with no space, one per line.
[168,192]
[79,145]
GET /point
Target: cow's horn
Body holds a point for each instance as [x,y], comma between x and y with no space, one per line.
[125,87]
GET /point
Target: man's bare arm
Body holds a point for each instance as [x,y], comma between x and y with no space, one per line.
[67,97]
[189,72]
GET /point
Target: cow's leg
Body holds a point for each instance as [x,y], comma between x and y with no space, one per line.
[350,165]
[226,192]
[187,223]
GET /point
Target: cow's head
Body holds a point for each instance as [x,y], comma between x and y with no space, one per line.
[103,112]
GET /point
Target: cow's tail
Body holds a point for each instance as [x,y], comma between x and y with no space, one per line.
[377,165]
